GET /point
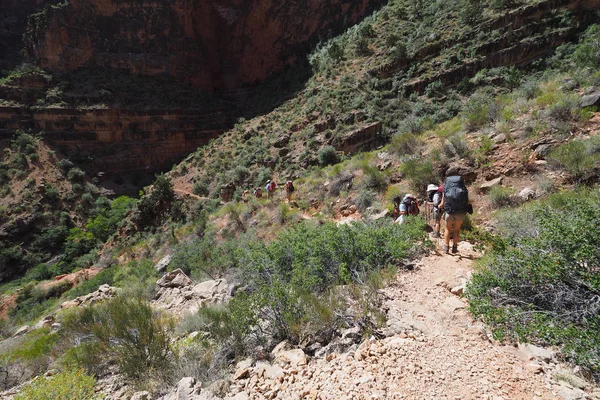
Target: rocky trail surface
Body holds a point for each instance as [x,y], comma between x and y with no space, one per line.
[433,350]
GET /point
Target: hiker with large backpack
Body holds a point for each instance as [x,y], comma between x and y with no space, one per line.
[455,203]
[408,206]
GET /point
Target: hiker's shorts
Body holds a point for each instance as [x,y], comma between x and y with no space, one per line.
[437,213]
[452,219]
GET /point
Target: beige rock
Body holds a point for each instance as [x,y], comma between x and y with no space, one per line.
[22,330]
[144,395]
[535,368]
[174,279]
[457,290]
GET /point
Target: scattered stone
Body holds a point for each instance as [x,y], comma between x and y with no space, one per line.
[590,100]
[452,304]
[239,396]
[162,265]
[458,290]
[353,333]
[189,389]
[568,393]
[527,194]
[486,186]
[45,322]
[175,279]
[571,379]
[542,151]
[531,352]
[22,330]
[500,138]
[380,215]
[535,368]
[145,395]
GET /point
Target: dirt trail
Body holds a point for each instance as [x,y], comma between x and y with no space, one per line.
[434,350]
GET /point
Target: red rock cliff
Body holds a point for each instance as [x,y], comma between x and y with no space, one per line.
[209,43]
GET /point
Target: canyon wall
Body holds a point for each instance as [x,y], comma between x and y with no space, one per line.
[118,141]
[210,44]
[13,22]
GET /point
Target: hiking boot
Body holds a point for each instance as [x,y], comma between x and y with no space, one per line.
[444,249]
[454,249]
[436,235]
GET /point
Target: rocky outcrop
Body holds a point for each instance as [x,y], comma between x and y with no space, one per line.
[177,293]
[104,292]
[117,140]
[523,35]
[210,44]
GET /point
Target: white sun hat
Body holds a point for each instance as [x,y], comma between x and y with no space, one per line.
[432,187]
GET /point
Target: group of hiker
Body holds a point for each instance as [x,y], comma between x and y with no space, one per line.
[449,201]
[270,189]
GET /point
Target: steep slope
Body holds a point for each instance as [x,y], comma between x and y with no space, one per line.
[397,71]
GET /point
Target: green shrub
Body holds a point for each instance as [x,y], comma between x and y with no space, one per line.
[65,165]
[200,188]
[581,158]
[123,330]
[405,144]
[420,174]
[365,199]
[71,384]
[587,53]
[37,345]
[501,196]
[373,178]
[540,282]
[478,111]
[286,281]
[328,156]
[75,175]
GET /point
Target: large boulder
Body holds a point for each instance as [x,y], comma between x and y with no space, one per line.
[461,168]
[486,186]
[162,265]
[175,279]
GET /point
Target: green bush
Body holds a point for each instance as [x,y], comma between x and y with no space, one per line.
[71,384]
[365,199]
[75,175]
[123,330]
[420,174]
[540,280]
[287,281]
[405,144]
[501,196]
[328,156]
[478,111]
[581,158]
[587,53]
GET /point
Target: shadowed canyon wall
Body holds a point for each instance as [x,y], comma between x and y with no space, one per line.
[210,44]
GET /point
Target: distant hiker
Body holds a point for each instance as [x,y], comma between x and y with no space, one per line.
[455,203]
[270,188]
[429,208]
[437,213]
[245,194]
[289,190]
[408,206]
[257,193]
